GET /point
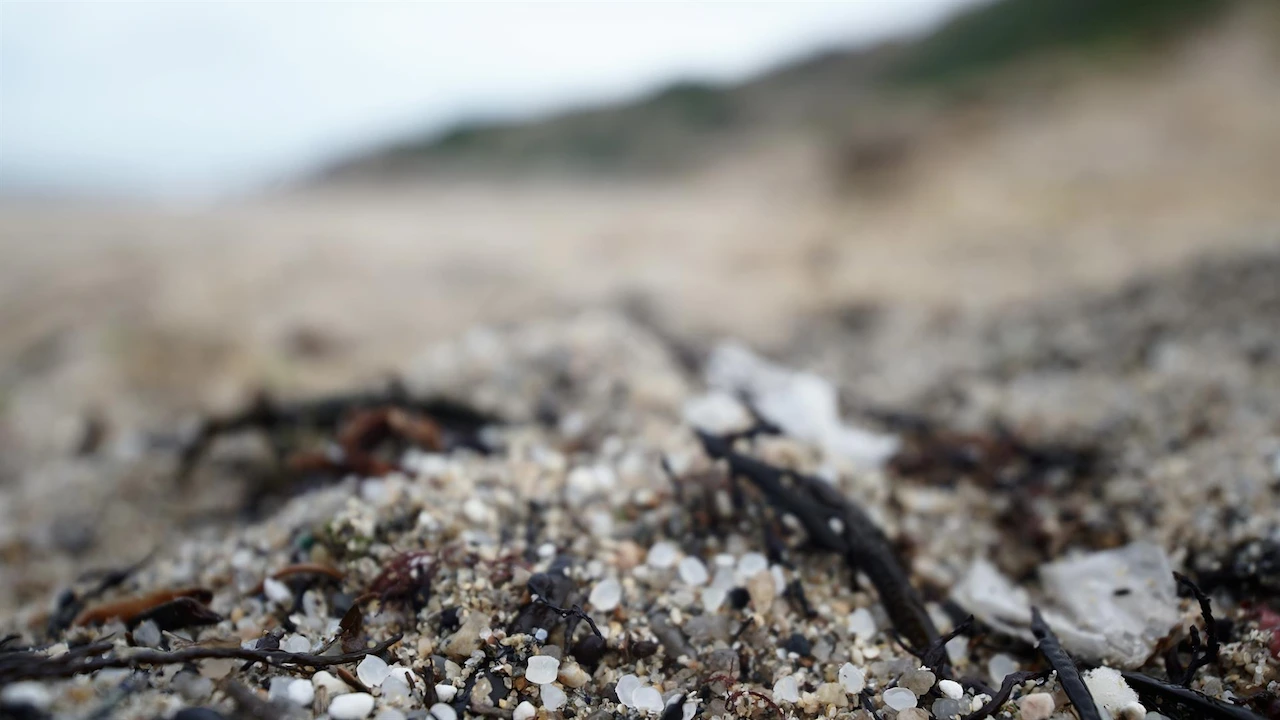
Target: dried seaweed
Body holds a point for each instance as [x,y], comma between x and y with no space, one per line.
[70,604]
[35,666]
[838,525]
[130,608]
[179,613]
[1202,653]
[1011,681]
[1068,675]
[1181,703]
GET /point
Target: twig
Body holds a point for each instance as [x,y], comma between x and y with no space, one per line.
[1072,684]
[1011,681]
[28,666]
[1201,654]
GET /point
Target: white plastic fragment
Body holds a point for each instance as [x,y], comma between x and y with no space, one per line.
[786,690]
[852,678]
[1110,691]
[693,571]
[372,670]
[647,699]
[626,687]
[899,698]
[296,644]
[803,404]
[328,681]
[542,669]
[352,706]
[862,624]
[553,698]
[446,692]
[662,555]
[440,711]
[606,595]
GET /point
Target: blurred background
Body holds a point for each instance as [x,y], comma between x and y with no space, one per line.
[205,199]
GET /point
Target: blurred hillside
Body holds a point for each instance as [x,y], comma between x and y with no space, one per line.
[689,124]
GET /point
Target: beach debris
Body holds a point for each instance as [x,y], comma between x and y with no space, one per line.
[1075,688]
[1112,606]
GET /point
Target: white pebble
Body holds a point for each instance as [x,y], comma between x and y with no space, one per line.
[542,669]
[951,689]
[524,711]
[395,687]
[626,687]
[1036,706]
[899,698]
[693,572]
[662,555]
[277,592]
[372,670]
[713,597]
[475,510]
[553,698]
[147,634]
[786,690]
[852,678]
[647,699]
[606,595]
[27,693]
[440,711]
[751,563]
[862,624]
[327,680]
[301,692]
[446,692]
[352,706]
[1001,665]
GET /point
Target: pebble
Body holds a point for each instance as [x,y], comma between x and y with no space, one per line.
[693,571]
[831,694]
[862,624]
[662,555]
[440,711]
[951,689]
[572,675]
[352,706]
[899,698]
[296,644]
[626,687]
[524,711]
[999,666]
[26,693]
[918,681]
[147,634]
[751,563]
[914,713]
[278,688]
[606,595]
[1036,706]
[389,714]
[852,678]
[372,670]
[946,708]
[325,679]
[553,698]
[277,592]
[647,699]
[541,669]
[446,692]
[786,690]
[301,692]
[761,589]
[396,687]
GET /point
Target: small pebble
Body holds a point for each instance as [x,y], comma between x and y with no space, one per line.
[662,555]
[899,698]
[147,634]
[852,678]
[277,592]
[572,675]
[440,711]
[553,698]
[524,711]
[647,699]
[918,681]
[26,693]
[914,713]
[389,714]
[301,692]
[831,694]
[296,644]
[951,689]
[999,666]
[541,669]
[446,692]
[760,590]
[786,690]
[693,572]
[606,595]
[331,684]
[946,708]
[862,624]
[1036,706]
[372,670]
[1109,690]
[626,687]
[352,706]
[751,563]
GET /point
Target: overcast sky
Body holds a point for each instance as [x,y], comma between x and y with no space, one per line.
[188,98]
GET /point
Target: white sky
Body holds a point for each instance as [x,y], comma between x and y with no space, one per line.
[190,98]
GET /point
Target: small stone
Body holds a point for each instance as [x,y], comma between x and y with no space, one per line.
[852,678]
[689,710]
[862,624]
[395,687]
[693,571]
[475,511]
[524,711]
[331,684]
[899,698]
[553,698]
[786,690]
[301,692]
[278,688]
[277,592]
[1132,711]
[28,694]
[751,563]
[541,669]
[760,589]
[1036,706]
[572,675]
[662,555]
[606,595]
[626,687]
[918,681]
[352,706]
[951,689]
[147,634]
[296,644]
[914,713]
[440,711]
[1001,665]
[946,708]
[647,699]
[831,694]
[466,640]
[446,692]
[372,670]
